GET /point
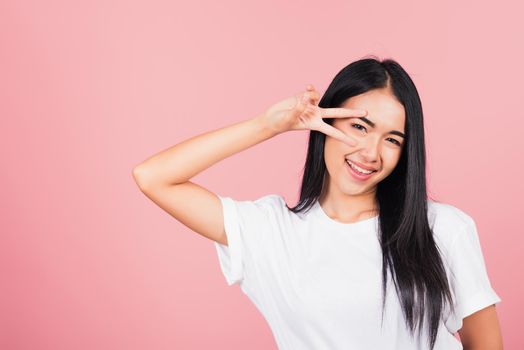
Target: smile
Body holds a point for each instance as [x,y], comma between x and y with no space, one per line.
[357,172]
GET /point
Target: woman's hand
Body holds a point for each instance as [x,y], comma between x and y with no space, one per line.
[301,112]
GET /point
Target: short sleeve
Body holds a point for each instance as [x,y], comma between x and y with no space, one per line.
[469,277]
[246,224]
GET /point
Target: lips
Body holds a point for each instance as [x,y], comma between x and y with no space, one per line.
[356,174]
[358,165]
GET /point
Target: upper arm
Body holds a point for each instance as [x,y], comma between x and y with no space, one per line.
[192,205]
[481,330]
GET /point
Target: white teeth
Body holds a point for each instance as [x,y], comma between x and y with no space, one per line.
[363,171]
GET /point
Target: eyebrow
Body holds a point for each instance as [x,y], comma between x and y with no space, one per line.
[370,123]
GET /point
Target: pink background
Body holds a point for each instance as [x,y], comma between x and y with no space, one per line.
[91,88]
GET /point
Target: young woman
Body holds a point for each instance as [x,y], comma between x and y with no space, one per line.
[365,260]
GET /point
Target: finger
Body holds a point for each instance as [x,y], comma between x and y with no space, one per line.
[315,98]
[312,97]
[337,134]
[309,88]
[342,112]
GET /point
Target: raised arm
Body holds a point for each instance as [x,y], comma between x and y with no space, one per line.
[165,177]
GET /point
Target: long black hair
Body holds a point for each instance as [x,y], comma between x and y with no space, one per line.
[406,238]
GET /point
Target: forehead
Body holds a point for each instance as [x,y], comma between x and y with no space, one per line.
[383,108]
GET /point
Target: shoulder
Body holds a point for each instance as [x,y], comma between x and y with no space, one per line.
[447,214]
[264,205]
[272,200]
[272,204]
[449,222]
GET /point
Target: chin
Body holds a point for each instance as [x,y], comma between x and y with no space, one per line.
[356,190]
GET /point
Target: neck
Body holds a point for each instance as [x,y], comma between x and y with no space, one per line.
[349,208]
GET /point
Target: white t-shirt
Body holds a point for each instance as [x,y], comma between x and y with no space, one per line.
[317,281]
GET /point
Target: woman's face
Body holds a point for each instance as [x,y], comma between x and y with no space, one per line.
[378,149]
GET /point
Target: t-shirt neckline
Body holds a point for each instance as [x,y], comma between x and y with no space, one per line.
[365,223]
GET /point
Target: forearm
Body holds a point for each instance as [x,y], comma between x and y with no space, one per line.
[184,160]
[483,343]
[483,347]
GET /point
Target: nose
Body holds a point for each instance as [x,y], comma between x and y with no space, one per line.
[370,149]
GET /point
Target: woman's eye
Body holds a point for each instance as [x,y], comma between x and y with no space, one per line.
[395,141]
[361,127]
[358,126]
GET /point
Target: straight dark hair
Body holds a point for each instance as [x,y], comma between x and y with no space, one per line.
[406,238]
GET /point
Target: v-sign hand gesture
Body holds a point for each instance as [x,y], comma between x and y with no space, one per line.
[301,112]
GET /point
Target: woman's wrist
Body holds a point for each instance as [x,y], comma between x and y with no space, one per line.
[266,126]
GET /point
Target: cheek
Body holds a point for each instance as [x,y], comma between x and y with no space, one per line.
[334,152]
[390,159]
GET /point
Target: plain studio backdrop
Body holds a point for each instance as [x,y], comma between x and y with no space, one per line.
[89,89]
